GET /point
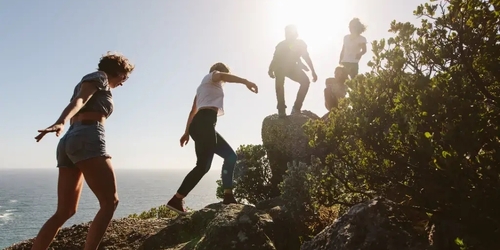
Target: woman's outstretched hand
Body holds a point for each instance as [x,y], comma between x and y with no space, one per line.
[184,139]
[57,128]
[252,87]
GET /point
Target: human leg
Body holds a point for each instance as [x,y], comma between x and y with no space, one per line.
[202,131]
[87,149]
[351,68]
[280,93]
[224,150]
[69,187]
[299,76]
[100,178]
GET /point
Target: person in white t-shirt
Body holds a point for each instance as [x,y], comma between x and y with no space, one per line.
[208,104]
[354,47]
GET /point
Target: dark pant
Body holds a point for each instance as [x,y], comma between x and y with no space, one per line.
[295,74]
[351,68]
[208,142]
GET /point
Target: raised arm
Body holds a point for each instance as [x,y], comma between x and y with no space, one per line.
[86,91]
[226,77]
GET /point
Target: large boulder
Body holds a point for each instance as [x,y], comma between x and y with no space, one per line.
[220,226]
[285,141]
[374,224]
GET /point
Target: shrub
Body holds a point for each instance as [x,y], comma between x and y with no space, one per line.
[299,191]
[155,213]
[422,128]
[252,175]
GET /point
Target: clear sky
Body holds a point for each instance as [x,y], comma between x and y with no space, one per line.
[47,46]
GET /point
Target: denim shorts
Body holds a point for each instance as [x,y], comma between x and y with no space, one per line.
[82,141]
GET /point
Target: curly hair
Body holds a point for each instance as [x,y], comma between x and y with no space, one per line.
[356,26]
[221,67]
[113,63]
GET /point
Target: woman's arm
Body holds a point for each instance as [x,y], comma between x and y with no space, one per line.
[87,89]
[341,55]
[226,77]
[191,115]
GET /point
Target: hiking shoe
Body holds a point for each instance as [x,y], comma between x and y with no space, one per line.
[177,205]
[281,113]
[296,111]
[229,199]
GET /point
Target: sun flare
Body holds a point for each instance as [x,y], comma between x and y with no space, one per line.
[319,22]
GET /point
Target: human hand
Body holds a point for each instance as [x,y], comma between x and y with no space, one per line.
[184,139]
[315,77]
[271,73]
[252,87]
[56,127]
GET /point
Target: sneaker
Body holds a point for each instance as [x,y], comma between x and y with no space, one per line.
[281,113]
[229,199]
[177,205]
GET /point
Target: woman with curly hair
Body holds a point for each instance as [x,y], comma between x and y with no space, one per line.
[354,47]
[81,152]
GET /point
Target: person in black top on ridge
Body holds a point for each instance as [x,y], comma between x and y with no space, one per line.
[287,63]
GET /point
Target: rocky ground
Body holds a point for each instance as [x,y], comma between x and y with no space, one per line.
[370,225]
[126,233]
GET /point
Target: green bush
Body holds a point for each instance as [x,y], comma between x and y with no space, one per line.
[156,213]
[252,175]
[422,128]
[297,191]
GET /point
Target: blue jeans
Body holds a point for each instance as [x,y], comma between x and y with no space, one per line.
[207,143]
[82,141]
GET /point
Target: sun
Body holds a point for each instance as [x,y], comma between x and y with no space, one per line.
[319,22]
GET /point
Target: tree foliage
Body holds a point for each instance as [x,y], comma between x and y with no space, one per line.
[422,127]
[252,175]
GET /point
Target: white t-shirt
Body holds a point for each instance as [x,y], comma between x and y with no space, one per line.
[352,46]
[210,94]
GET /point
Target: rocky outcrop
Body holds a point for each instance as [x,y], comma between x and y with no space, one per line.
[126,234]
[285,141]
[374,224]
[216,226]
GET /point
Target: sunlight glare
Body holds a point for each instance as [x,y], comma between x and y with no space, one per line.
[319,22]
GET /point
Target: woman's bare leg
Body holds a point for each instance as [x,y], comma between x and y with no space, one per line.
[100,178]
[69,188]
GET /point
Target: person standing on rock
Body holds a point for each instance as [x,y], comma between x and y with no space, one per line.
[353,48]
[335,88]
[207,106]
[81,152]
[287,63]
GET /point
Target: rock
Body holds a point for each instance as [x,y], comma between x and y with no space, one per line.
[287,134]
[285,141]
[370,225]
[220,226]
[216,226]
[126,233]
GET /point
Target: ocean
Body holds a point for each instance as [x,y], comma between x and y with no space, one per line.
[28,197]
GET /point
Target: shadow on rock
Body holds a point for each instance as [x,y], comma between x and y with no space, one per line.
[220,226]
